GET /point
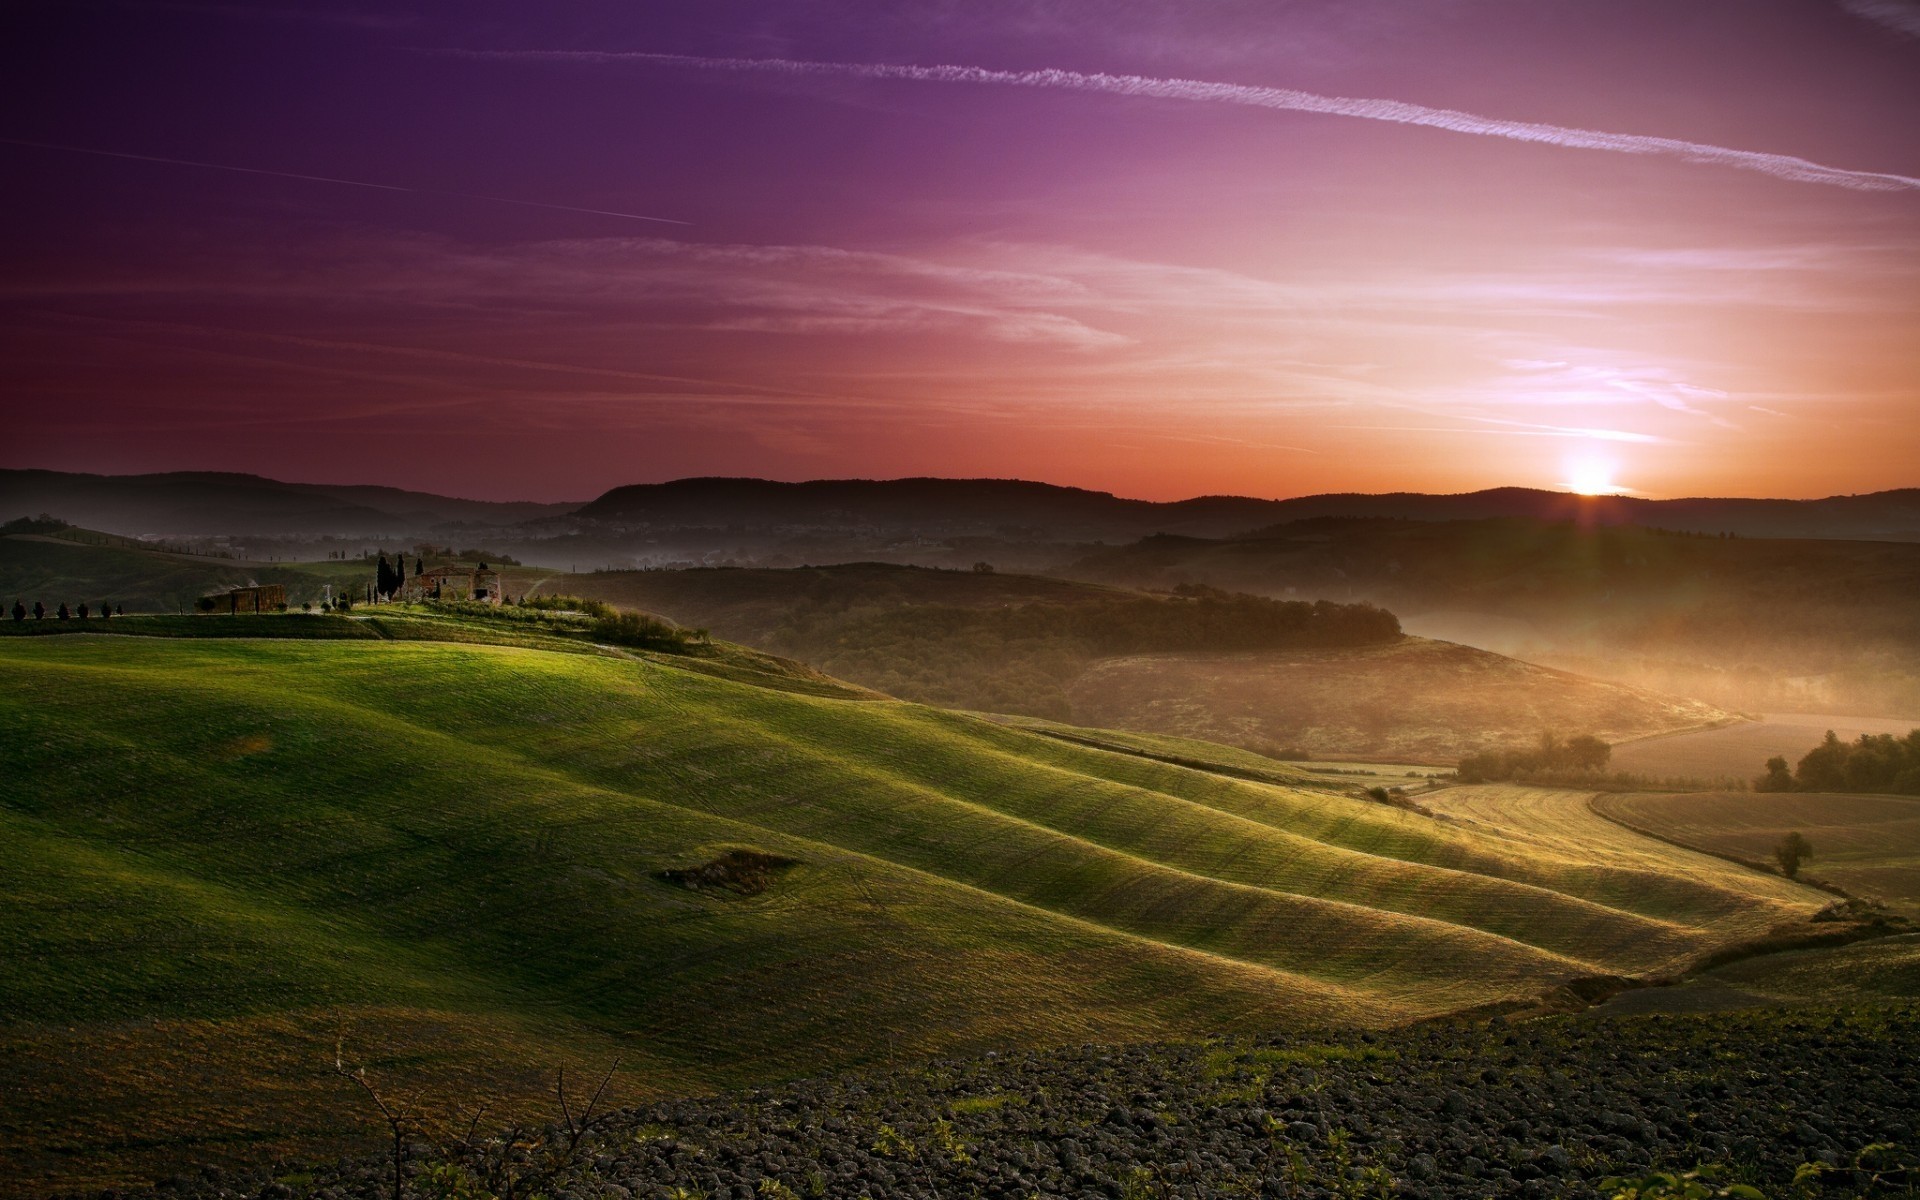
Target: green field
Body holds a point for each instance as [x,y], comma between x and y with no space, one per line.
[225,851]
[1869,845]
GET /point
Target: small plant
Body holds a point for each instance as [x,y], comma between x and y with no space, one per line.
[950,1144]
[773,1189]
[1874,1169]
[449,1181]
[889,1142]
[1139,1185]
[1703,1182]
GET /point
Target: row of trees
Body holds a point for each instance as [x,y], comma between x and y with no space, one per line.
[38,612]
[1872,763]
[1552,757]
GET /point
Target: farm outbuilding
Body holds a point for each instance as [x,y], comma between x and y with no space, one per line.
[256,598]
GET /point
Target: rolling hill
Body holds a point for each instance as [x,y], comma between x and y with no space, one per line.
[1869,845]
[935,522]
[992,642]
[944,507]
[472,862]
[214,504]
[1751,623]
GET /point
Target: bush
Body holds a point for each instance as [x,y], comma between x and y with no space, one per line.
[640,630]
[1793,850]
[40,524]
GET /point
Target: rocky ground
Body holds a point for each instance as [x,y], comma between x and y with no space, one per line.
[1529,1109]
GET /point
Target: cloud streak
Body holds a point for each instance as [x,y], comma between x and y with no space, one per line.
[1901,16]
[1780,166]
[359,183]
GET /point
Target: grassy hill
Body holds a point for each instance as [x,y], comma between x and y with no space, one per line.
[1869,845]
[472,861]
[997,642]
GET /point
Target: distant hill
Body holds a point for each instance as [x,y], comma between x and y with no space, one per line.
[937,507]
[1093,655]
[1798,625]
[930,522]
[472,864]
[213,504]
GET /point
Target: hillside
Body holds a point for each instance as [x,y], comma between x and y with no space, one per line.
[1013,523]
[213,504]
[944,507]
[471,862]
[1869,845]
[996,642]
[1750,623]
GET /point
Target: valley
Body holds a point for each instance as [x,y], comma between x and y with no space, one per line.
[452,856]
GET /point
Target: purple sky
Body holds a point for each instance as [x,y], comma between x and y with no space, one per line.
[1197,289]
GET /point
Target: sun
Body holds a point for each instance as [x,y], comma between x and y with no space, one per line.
[1591,476]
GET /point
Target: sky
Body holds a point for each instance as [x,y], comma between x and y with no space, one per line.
[1264,247]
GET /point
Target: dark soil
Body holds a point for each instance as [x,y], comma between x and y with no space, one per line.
[1534,1109]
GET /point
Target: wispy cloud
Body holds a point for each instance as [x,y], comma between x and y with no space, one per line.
[359,183]
[1901,16]
[1782,166]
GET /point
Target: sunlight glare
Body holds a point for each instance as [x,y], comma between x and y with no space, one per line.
[1591,476]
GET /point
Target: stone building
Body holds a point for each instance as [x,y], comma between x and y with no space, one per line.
[257,598]
[455,583]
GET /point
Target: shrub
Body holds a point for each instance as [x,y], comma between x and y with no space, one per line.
[640,630]
[1793,850]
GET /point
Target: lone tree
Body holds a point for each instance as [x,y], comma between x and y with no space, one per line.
[1793,850]
[1777,778]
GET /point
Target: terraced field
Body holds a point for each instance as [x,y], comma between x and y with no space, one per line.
[224,852]
[1869,845]
[1560,830]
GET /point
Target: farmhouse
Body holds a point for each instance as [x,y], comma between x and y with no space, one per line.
[259,598]
[455,583]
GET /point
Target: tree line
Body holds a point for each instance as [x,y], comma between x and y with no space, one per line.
[1199,619]
[1546,761]
[1872,763]
[39,611]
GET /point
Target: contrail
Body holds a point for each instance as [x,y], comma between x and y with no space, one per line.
[359,183]
[1780,165]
